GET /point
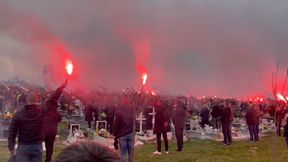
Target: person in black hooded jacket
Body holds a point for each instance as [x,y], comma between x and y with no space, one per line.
[28,125]
[161,127]
[51,120]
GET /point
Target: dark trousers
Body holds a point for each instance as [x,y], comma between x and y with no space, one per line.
[49,144]
[254,132]
[29,153]
[179,137]
[158,135]
[278,125]
[286,139]
[89,124]
[227,133]
[279,129]
[216,122]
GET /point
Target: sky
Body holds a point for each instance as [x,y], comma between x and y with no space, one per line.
[189,47]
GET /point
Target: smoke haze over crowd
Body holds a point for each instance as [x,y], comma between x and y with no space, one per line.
[200,47]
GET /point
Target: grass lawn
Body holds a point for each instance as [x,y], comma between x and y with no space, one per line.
[206,151]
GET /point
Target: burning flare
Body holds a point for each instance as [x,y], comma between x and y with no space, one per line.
[261,99]
[144,78]
[281,97]
[69,68]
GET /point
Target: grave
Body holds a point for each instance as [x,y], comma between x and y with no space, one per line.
[149,133]
[102,136]
[101,124]
[104,141]
[153,114]
[193,130]
[140,118]
[267,126]
[75,134]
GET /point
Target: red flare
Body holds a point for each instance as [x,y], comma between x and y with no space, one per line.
[144,78]
[261,99]
[281,97]
[69,68]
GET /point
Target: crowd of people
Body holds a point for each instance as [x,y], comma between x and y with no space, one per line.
[32,109]
[214,112]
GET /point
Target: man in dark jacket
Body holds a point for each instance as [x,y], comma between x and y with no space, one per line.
[252,120]
[204,114]
[216,113]
[226,120]
[51,119]
[123,128]
[28,125]
[178,119]
[161,126]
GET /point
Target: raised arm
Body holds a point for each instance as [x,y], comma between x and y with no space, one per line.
[53,100]
[56,95]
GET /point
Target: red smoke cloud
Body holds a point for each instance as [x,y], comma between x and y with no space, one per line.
[46,48]
[142,52]
[185,47]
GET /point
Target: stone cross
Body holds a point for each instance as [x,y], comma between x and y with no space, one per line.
[153,114]
[141,119]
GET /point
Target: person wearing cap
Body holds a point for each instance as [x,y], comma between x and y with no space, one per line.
[27,124]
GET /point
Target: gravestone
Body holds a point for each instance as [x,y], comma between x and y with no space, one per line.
[149,114]
[75,133]
[73,128]
[188,126]
[101,124]
[102,135]
[153,114]
[140,119]
[266,126]
[194,130]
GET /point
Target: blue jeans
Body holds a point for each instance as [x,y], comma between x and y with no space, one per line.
[29,153]
[126,144]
